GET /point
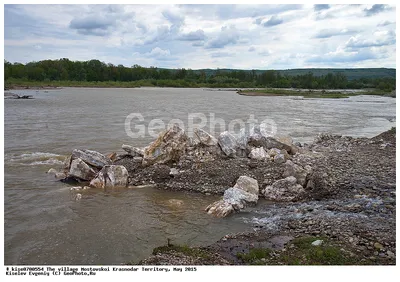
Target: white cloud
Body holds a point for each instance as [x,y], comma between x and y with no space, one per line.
[158,52]
[204,36]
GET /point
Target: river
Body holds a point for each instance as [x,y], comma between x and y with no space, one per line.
[43,224]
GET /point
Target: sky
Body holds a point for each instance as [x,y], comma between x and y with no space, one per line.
[205,36]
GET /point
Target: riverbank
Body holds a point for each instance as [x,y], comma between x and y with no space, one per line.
[246,89]
[336,94]
[354,224]
[176,83]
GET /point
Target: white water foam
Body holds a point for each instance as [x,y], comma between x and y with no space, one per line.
[36,158]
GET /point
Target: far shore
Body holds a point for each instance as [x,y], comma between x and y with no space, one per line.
[315,93]
[305,93]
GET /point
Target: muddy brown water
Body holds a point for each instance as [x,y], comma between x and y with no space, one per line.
[43,224]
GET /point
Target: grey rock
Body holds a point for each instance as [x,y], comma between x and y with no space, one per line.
[173,171]
[285,140]
[169,146]
[273,143]
[259,154]
[244,193]
[60,175]
[111,176]
[220,209]
[234,199]
[242,139]
[79,169]
[273,152]
[284,190]
[239,198]
[317,243]
[247,184]
[228,143]
[297,171]
[205,138]
[390,254]
[92,158]
[279,159]
[133,151]
[193,142]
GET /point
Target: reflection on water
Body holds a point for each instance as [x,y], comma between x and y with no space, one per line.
[45,225]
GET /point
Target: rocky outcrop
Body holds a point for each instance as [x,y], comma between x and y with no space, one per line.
[169,146]
[228,143]
[79,169]
[92,158]
[111,176]
[244,193]
[285,190]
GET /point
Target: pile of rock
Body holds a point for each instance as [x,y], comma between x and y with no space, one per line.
[88,165]
[177,160]
[257,145]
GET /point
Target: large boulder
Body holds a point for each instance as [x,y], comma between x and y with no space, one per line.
[244,193]
[90,157]
[239,198]
[259,154]
[111,176]
[234,199]
[79,169]
[242,139]
[220,209]
[247,184]
[169,146]
[133,151]
[205,138]
[285,190]
[228,143]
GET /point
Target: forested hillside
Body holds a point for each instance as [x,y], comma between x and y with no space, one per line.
[86,73]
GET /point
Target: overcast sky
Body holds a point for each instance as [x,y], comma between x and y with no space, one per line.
[205,36]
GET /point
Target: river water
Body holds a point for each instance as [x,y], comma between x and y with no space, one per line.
[43,224]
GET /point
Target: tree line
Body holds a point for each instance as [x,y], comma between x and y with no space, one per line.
[64,70]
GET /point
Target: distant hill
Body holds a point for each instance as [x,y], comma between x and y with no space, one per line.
[349,73]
